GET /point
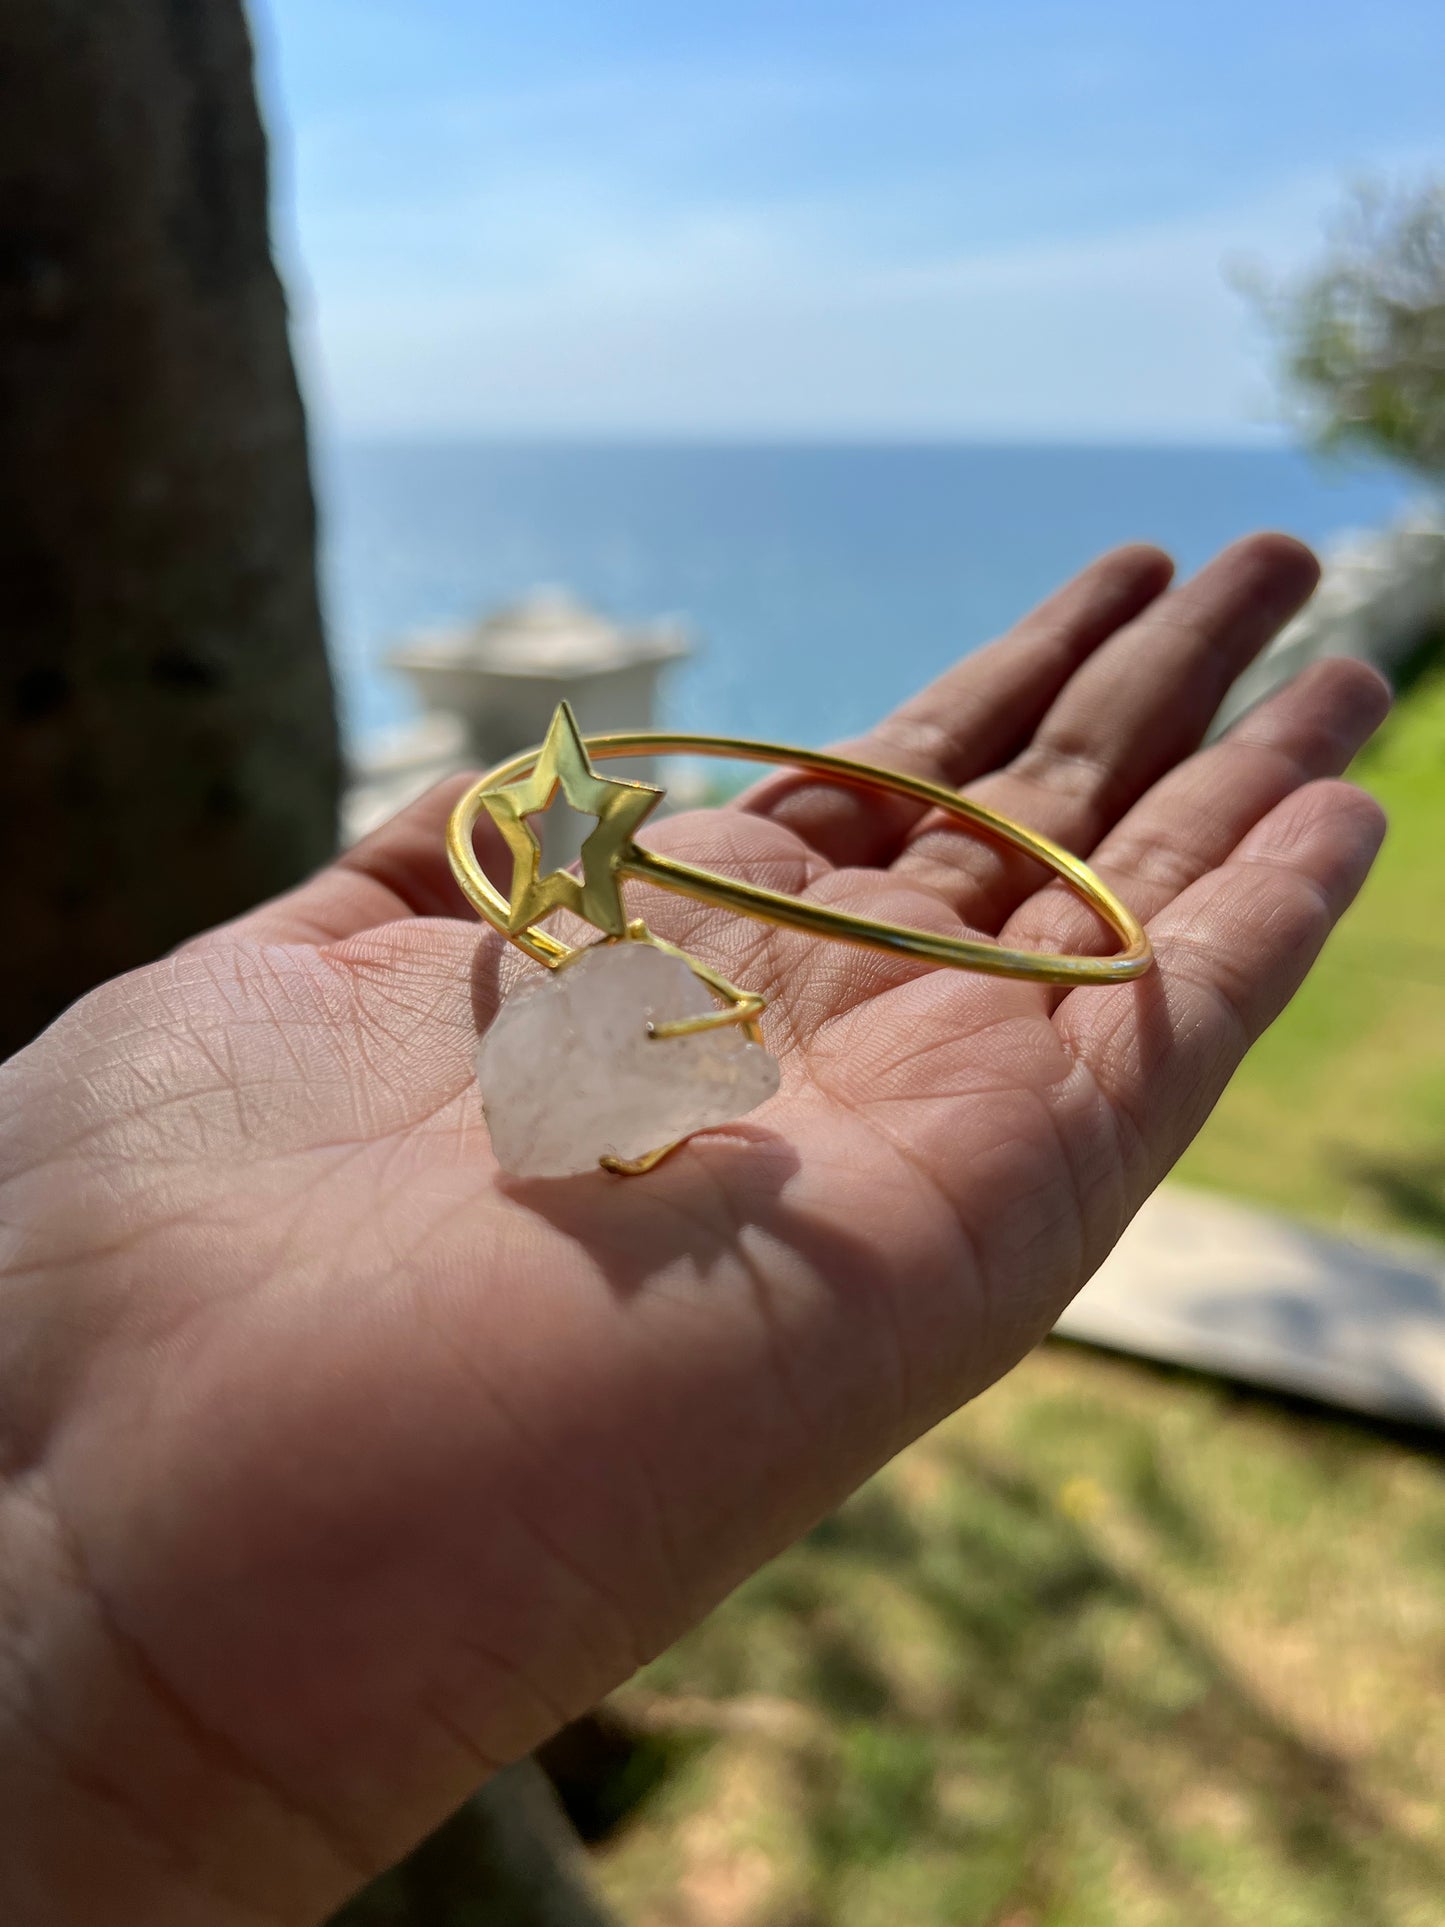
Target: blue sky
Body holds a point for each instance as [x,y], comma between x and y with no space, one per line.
[832,218]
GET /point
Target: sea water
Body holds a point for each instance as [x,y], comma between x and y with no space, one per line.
[822,583]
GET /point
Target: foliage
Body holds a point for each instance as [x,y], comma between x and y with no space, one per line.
[1362,336]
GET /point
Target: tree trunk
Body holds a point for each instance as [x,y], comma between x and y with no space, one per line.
[168,749]
[508,1858]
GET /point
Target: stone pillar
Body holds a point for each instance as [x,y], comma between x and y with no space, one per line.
[504,676]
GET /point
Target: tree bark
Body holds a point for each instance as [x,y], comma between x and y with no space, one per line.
[168,747]
[508,1858]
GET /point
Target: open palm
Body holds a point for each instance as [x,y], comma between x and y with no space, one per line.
[340,1468]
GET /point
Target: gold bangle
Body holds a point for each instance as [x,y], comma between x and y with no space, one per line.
[517,790]
[618,856]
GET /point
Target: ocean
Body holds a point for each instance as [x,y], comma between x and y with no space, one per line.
[821,583]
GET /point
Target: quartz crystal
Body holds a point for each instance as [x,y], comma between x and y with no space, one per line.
[569,1074]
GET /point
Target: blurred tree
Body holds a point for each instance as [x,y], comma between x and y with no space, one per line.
[1362,334]
[168,749]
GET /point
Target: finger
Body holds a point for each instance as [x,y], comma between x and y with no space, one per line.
[973,717]
[400,870]
[1230,952]
[1131,713]
[1192,819]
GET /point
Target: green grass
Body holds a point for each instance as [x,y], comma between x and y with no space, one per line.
[1339,1113]
[1113,1648]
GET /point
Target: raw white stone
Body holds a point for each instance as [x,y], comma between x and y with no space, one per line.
[569,1074]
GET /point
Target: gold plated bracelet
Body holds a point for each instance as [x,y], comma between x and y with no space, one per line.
[519,789]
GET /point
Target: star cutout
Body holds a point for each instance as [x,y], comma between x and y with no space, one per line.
[619,807]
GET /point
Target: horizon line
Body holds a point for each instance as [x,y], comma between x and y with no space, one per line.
[1264,440]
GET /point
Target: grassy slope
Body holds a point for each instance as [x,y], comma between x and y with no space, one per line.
[1339,1114]
[1112,1648]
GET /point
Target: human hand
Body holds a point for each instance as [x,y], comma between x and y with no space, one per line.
[339,1468]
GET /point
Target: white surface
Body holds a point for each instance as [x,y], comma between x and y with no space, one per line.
[1382,593]
[1205,1282]
[549,634]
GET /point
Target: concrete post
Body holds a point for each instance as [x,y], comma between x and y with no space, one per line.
[503,677]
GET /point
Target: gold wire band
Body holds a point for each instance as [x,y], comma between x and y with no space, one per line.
[797,913]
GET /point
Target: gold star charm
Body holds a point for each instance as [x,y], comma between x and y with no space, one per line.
[619,807]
